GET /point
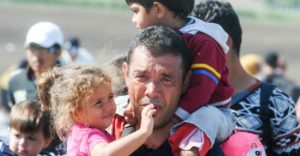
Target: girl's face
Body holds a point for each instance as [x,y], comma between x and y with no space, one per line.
[27,144]
[98,109]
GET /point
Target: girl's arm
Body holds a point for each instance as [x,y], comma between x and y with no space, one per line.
[127,145]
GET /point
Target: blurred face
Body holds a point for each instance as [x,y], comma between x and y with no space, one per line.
[26,144]
[281,65]
[154,80]
[141,17]
[40,59]
[97,109]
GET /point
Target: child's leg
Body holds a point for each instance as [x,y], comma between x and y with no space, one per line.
[188,137]
[215,151]
[216,124]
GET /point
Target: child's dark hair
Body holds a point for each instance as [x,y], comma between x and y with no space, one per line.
[181,8]
[223,14]
[28,117]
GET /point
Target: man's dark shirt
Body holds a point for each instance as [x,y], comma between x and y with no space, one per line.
[165,148]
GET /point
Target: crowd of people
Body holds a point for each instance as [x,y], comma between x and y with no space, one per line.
[181,89]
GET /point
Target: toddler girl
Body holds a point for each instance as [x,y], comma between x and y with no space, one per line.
[82,104]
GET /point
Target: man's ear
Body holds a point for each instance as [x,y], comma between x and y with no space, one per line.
[125,69]
[159,9]
[186,82]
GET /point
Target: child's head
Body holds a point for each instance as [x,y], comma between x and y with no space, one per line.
[29,128]
[77,94]
[154,12]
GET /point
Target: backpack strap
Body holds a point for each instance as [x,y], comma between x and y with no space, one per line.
[265,93]
[245,93]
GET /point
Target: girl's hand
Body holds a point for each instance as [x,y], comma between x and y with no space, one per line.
[129,115]
[147,121]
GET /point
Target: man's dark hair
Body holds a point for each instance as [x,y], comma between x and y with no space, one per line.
[271,59]
[223,14]
[181,8]
[74,42]
[161,41]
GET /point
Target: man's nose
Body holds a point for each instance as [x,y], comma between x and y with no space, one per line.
[153,89]
[35,52]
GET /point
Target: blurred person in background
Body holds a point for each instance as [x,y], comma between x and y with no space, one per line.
[4,107]
[43,46]
[4,79]
[75,53]
[252,63]
[119,85]
[275,74]
[259,107]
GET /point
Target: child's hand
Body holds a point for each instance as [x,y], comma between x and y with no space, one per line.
[129,115]
[147,122]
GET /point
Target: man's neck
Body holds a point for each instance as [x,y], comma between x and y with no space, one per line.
[238,77]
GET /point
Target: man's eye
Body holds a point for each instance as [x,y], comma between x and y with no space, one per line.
[167,81]
[141,77]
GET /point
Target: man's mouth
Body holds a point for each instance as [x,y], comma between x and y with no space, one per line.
[156,106]
[155,101]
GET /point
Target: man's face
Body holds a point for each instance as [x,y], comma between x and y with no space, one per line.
[155,80]
[40,59]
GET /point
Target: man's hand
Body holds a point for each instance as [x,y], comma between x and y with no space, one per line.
[159,136]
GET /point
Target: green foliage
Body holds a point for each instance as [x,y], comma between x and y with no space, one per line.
[284,3]
[83,3]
